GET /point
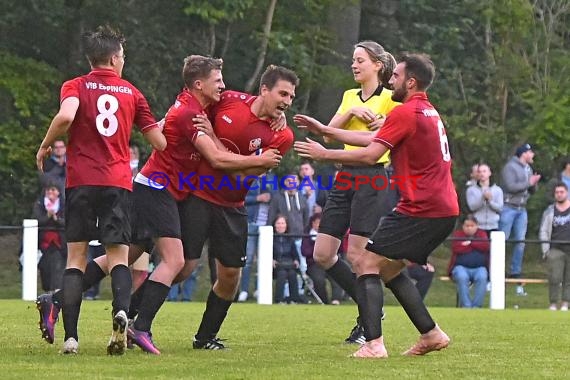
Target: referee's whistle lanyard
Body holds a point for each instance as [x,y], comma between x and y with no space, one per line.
[288,201]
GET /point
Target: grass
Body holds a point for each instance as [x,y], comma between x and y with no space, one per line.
[292,342]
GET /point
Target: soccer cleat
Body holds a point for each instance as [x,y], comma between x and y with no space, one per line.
[70,346]
[356,335]
[433,340]
[373,349]
[143,339]
[208,344]
[118,342]
[130,343]
[49,315]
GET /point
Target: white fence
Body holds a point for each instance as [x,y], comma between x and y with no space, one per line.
[264,265]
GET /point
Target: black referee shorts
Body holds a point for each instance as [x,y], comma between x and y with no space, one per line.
[352,203]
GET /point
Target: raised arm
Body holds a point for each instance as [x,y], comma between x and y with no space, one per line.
[356,138]
[58,127]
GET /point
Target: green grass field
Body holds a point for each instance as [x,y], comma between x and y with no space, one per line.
[292,342]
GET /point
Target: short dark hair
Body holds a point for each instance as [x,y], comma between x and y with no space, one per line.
[100,45]
[420,67]
[561,184]
[274,73]
[199,67]
[469,217]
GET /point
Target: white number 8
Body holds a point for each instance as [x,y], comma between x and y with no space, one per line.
[443,141]
[107,114]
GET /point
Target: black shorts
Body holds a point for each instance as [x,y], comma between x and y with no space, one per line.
[225,227]
[401,236]
[355,205]
[154,215]
[98,213]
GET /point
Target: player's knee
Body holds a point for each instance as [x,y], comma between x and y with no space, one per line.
[323,258]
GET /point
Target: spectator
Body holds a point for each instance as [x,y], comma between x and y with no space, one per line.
[315,197]
[563,176]
[290,204]
[422,275]
[315,271]
[518,183]
[257,206]
[49,211]
[469,262]
[555,226]
[55,166]
[285,261]
[485,200]
[473,176]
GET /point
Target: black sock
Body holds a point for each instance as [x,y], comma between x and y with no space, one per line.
[370,301]
[121,284]
[342,274]
[411,300]
[93,274]
[154,296]
[72,296]
[214,315]
[136,299]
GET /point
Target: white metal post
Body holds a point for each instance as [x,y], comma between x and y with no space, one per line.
[497,268]
[265,266]
[30,260]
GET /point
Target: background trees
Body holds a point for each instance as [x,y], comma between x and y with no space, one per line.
[503,66]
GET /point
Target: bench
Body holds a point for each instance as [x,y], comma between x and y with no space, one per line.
[511,280]
[507,281]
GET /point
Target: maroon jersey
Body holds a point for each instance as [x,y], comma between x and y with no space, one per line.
[180,158]
[98,150]
[416,137]
[243,133]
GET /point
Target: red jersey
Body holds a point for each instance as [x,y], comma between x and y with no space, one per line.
[98,149]
[242,133]
[416,137]
[180,158]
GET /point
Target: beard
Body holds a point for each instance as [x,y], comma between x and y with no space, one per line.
[399,94]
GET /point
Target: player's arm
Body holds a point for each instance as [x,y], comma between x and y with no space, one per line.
[203,124]
[58,127]
[368,155]
[155,138]
[224,160]
[356,138]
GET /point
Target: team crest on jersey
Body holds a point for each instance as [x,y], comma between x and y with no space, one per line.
[254,144]
[227,119]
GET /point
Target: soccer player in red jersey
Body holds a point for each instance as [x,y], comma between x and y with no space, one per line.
[159,191]
[217,212]
[97,111]
[425,214]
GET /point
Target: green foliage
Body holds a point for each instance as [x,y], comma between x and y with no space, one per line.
[26,95]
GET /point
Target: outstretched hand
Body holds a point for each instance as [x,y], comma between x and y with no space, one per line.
[308,123]
[309,149]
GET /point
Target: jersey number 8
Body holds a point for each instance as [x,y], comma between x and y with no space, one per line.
[107,114]
[443,142]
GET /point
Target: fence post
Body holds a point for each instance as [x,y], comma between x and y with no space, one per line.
[497,267]
[30,260]
[265,266]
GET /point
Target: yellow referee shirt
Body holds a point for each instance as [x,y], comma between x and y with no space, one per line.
[380,103]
